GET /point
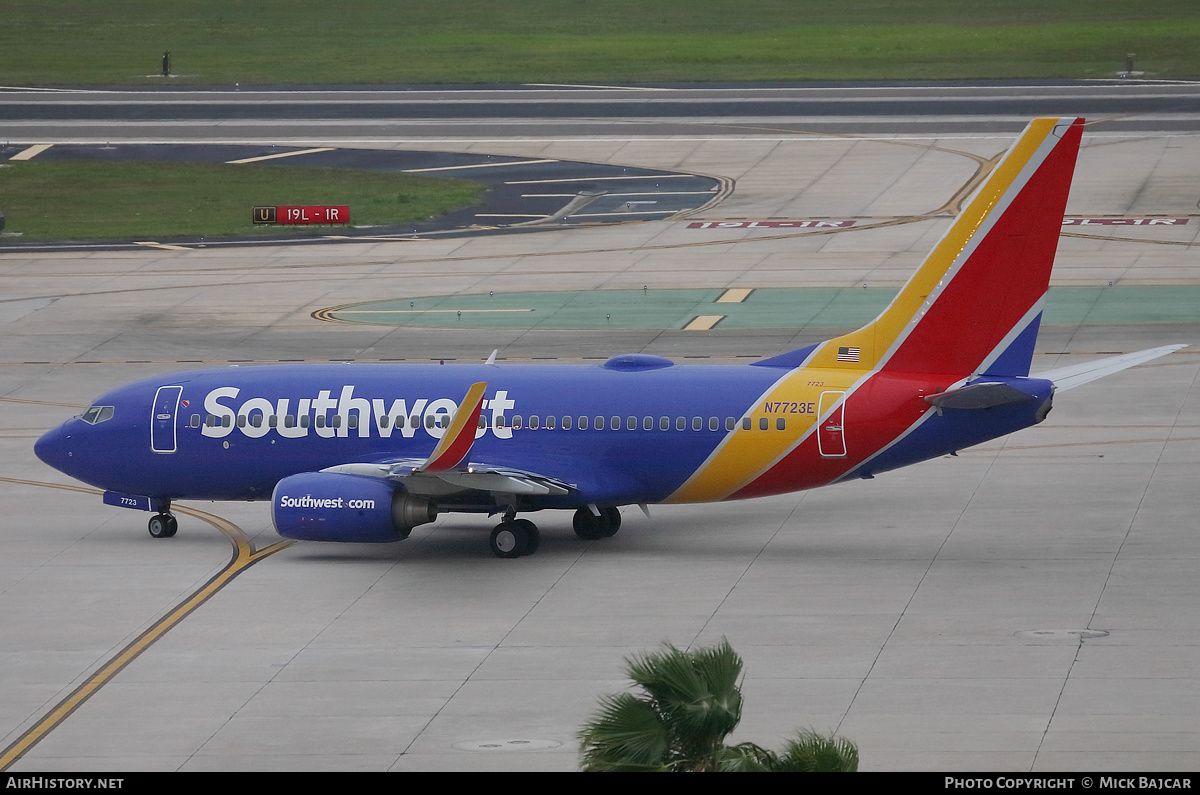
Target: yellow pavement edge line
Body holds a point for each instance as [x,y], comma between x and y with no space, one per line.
[164,246]
[418,312]
[277,156]
[478,165]
[735,295]
[244,556]
[703,322]
[31,152]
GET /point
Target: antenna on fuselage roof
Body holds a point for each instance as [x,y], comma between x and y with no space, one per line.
[492,358]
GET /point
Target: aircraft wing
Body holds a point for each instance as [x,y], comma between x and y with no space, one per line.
[474,477]
[1079,374]
[447,470]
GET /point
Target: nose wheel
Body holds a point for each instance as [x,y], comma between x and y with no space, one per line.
[513,538]
[163,525]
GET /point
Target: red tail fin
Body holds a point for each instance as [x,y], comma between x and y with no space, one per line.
[975,303]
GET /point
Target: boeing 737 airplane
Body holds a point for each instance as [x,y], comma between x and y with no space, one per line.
[366,452]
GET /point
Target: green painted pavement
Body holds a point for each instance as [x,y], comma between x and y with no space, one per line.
[767,308]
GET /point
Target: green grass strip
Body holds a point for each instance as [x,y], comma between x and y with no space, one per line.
[222,42]
[86,200]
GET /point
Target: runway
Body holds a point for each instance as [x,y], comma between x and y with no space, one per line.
[389,115]
[1025,606]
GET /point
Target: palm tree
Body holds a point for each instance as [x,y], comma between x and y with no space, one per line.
[690,702]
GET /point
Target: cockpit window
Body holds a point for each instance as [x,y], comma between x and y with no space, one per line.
[97,414]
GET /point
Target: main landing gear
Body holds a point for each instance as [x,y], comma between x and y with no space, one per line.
[513,538]
[591,527]
[163,524]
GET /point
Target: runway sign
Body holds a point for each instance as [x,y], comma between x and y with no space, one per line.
[311,214]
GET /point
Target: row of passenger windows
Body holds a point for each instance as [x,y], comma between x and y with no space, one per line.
[614,423]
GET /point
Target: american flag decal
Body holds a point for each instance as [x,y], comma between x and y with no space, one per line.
[847,354]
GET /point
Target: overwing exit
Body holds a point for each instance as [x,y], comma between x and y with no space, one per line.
[367,452]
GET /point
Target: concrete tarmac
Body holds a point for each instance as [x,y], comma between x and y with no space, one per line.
[1025,606]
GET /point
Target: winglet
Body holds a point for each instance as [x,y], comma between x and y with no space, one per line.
[456,442]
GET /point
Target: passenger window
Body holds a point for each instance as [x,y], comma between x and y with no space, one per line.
[320,420]
[762,423]
[745,423]
[351,420]
[647,423]
[599,424]
[714,424]
[583,423]
[195,421]
[482,422]
[697,423]
[337,420]
[241,421]
[566,423]
[226,421]
[273,421]
[256,421]
[383,421]
[681,423]
[730,423]
[664,423]
[517,422]
[535,422]
[781,424]
[550,423]
[289,421]
[631,423]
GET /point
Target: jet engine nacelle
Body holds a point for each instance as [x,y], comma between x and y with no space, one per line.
[329,506]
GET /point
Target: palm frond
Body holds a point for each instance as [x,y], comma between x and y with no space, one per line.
[811,752]
[748,758]
[690,702]
[696,691]
[626,733]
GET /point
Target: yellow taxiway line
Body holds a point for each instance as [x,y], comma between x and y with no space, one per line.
[244,556]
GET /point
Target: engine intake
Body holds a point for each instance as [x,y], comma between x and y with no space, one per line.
[329,506]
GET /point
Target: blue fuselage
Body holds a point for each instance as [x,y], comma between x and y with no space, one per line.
[633,430]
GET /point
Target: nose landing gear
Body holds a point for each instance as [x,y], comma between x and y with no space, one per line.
[163,524]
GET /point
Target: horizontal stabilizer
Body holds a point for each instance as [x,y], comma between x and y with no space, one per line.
[1079,374]
[977,396]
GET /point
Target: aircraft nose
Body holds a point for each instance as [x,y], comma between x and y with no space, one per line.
[54,448]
